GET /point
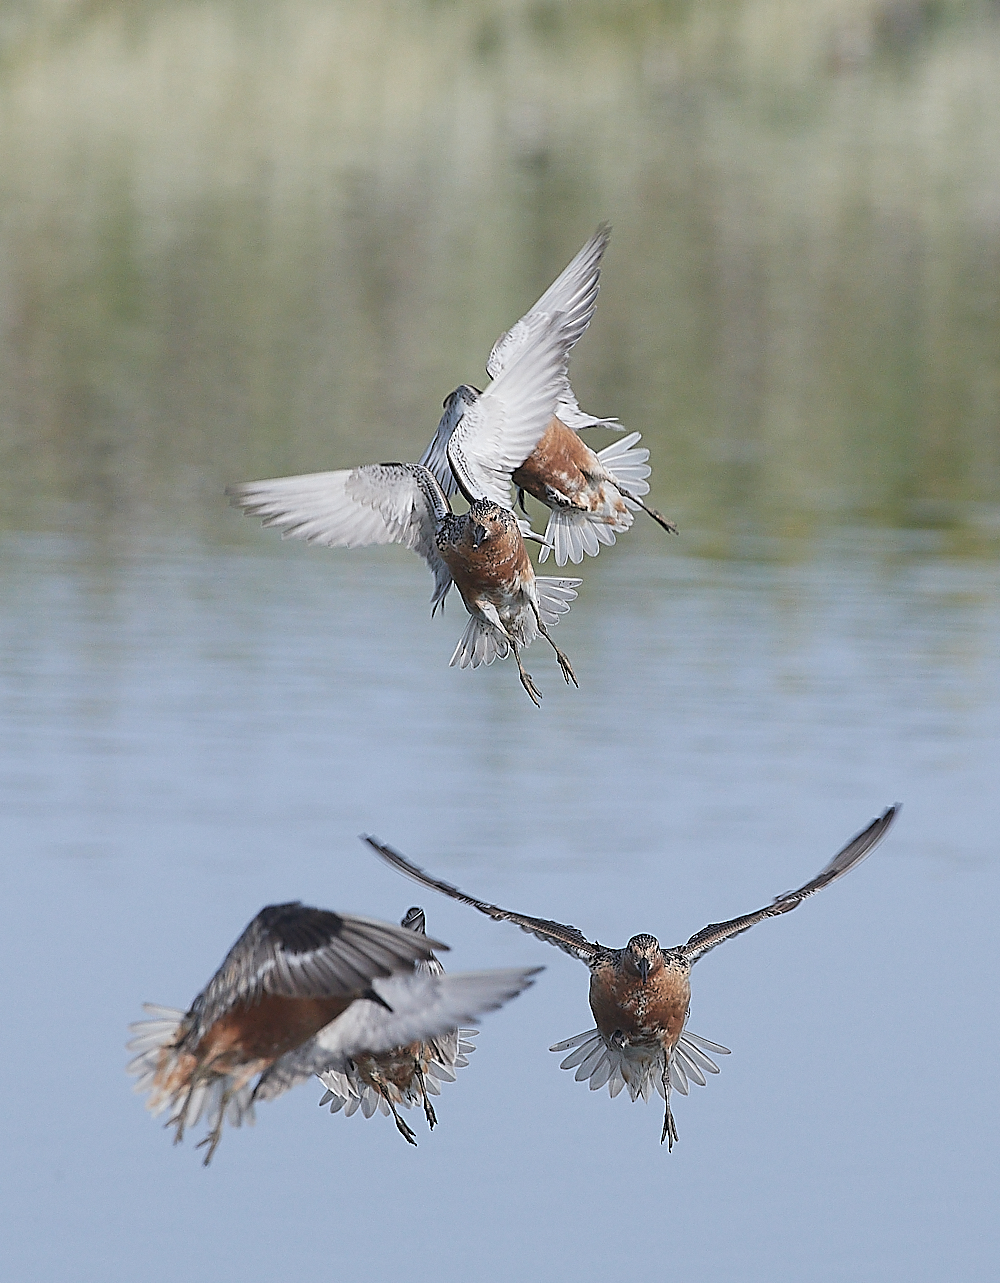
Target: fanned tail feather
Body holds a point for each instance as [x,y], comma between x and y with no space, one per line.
[346,1090]
[627,465]
[554,597]
[153,1067]
[481,643]
[571,532]
[638,1068]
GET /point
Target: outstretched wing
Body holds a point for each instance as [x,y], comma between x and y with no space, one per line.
[295,951]
[498,431]
[853,853]
[569,939]
[573,293]
[414,1007]
[378,503]
[572,296]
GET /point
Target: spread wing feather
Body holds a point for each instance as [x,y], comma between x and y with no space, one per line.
[573,292]
[501,428]
[419,1007]
[564,937]
[299,952]
[378,503]
[845,860]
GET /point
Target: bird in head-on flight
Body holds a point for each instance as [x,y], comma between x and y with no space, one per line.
[482,551]
[640,995]
[590,494]
[407,1075]
[302,990]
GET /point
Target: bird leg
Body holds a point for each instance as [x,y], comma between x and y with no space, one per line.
[669,1133]
[564,664]
[215,1135]
[404,1129]
[429,1113]
[657,516]
[179,1119]
[526,681]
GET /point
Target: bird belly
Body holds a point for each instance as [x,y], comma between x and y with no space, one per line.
[496,574]
[563,472]
[396,1068]
[645,1013]
[259,1033]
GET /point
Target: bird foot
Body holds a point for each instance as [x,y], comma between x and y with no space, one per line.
[534,693]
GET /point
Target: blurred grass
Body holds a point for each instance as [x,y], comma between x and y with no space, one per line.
[244,238]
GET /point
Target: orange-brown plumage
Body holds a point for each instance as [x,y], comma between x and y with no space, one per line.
[563,471]
[632,1010]
[640,995]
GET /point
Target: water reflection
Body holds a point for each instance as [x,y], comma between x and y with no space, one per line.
[191,733]
[242,241]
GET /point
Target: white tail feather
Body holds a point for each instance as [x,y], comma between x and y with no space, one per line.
[627,465]
[481,643]
[636,1067]
[554,597]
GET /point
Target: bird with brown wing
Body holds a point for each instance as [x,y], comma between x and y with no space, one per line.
[300,992]
[640,995]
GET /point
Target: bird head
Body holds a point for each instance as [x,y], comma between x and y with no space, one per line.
[643,957]
[487,520]
[414,920]
[456,402]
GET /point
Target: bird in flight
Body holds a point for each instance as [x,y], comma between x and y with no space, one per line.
[407,1075]
[302,990]
[482,551]
[640,995]
[591,494]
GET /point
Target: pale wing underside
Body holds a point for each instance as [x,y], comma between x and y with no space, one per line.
[497,433]
[845,860]
[423,1007]
[294,951]
[573,292]
[378,503]
[564,937]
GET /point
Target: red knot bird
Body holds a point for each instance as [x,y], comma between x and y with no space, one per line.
[302,990]
[640,995]
[590,494]
[482,551]
[407,1075]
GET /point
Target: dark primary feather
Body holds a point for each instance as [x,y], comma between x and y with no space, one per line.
[564,937]
[300,952]
[845,860]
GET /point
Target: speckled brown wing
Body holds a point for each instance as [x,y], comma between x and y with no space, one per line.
[294,951]
[564,937]
[845,860]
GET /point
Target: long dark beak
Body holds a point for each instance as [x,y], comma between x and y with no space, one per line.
[644,969]
[479,534]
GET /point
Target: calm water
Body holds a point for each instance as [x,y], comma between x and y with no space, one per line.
[192,732]
[243,239]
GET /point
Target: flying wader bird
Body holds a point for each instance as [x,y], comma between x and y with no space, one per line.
[482,551]
[301,991]
[640,995]
[591,495]
[403,1075]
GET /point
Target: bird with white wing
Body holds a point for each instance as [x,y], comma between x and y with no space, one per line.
[482,551]
[590,494]
[301,992]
